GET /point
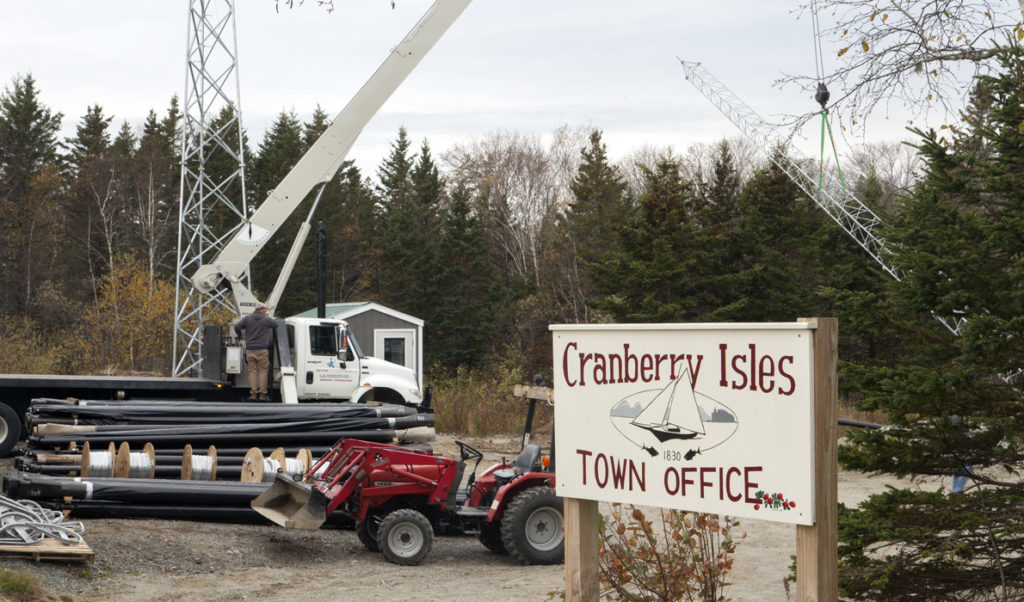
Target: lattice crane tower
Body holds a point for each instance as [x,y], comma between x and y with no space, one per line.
[212,200]
[840,203]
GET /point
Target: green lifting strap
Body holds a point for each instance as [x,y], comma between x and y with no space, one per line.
[826,126]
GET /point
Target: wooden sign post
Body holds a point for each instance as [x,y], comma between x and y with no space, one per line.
[732,419]
[817,553]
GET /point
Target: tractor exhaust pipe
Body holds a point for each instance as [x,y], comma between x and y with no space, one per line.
[292,504]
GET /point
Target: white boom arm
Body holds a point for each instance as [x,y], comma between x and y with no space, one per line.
[324,158]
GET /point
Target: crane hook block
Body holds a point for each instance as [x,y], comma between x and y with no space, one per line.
[822,95]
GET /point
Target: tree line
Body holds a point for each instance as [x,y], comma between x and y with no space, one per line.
[488,244]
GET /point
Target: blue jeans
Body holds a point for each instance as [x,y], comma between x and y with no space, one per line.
[960,481]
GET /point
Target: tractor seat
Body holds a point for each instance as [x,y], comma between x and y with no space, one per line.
[524,463]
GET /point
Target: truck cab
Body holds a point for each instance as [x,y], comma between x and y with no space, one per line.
[329,365]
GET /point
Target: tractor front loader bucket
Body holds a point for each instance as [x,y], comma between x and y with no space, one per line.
[292,504]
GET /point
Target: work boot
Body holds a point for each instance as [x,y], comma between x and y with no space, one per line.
[253,396]
[263,397]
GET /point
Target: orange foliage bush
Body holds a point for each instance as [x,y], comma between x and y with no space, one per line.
[678,556]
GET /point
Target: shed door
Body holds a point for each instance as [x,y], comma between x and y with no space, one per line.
[397,346]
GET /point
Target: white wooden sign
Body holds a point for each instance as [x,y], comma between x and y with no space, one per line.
[711,418]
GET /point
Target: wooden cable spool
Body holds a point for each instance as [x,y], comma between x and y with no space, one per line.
[190,465]
[123,462]
[86,467]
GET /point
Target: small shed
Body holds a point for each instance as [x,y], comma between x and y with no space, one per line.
[381,332]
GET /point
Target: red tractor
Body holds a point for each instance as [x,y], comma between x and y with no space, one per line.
[399,497]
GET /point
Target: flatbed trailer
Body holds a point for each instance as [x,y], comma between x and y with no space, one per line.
[18,390]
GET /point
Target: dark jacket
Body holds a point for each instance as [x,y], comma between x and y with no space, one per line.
[257,327]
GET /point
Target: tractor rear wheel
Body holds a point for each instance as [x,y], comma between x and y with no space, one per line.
[490,536]
[531,526]
[405,536]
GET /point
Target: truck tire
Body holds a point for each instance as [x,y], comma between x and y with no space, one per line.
[10,429]
[531,527]
[405,536]
[490,536]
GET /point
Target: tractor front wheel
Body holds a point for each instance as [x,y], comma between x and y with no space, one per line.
[405,536]
[531,526]
[366,531]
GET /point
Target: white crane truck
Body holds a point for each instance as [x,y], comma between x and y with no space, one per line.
[316,358]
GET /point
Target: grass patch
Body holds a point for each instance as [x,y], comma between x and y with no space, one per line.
[480,401]
[849,411]
[18,585]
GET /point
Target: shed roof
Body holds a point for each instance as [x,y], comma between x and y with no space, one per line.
[346,310]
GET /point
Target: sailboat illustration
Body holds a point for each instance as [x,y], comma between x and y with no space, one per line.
[673,413]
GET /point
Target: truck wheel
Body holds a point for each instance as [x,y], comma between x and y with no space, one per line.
[405,536]
[10,429]
[531,527]
[366,531]
[490,536]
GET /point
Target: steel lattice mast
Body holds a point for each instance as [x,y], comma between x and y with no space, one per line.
[852,215]
[212,171]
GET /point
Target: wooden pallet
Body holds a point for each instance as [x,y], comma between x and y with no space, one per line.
[49,549]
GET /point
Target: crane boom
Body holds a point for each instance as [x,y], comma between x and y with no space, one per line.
[852,215]
[324,158]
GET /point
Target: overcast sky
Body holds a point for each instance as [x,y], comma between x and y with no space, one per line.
[506,65]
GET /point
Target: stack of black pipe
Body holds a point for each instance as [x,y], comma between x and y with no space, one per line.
[61,427]
[142,498]
[172,424]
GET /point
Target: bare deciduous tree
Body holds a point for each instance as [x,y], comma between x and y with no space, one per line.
[918,54]
[522,186]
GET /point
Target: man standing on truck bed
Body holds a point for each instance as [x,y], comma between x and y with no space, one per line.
[257,326]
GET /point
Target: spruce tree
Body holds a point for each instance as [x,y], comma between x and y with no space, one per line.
[587,231]
[771,260]
[348,212]
[953,401]
[28,145]
[462,325]
[279,151]
[411,196]
[92,138]
[651,275]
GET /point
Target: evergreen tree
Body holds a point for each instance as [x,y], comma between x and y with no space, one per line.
[588,226]
[170,137]
[280,150]
[92,138]
[28,151]
[411,192]
[348,212]
[651,277]
[317,125]
[771,262]
[953,402]
[462,326]
[96,209]
[222,167]
[722,239]
[155,193]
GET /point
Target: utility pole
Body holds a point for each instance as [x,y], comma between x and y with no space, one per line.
[212,201]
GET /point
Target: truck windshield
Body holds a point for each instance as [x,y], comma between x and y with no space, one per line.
[355,345]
